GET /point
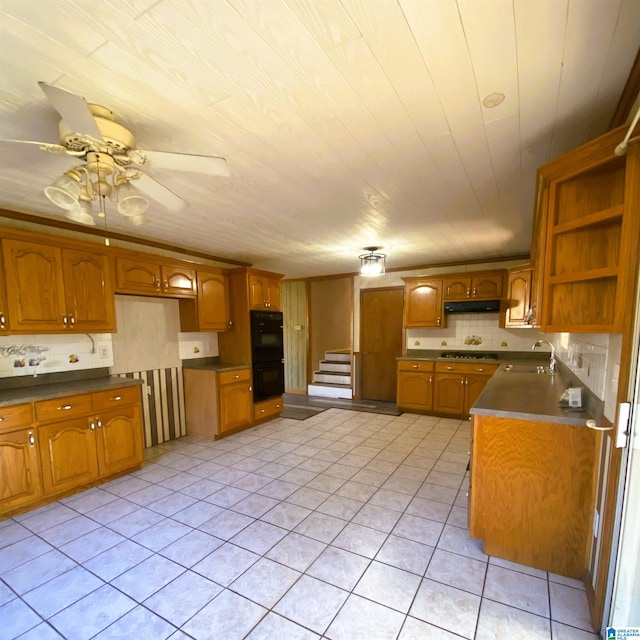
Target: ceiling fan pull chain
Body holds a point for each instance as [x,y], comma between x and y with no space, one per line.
[106,234]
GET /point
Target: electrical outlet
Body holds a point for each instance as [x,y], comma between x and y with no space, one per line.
[104,352]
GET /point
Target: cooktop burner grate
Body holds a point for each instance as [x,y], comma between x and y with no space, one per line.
[469,355]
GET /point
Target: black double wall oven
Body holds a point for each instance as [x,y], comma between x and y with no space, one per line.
[267,354]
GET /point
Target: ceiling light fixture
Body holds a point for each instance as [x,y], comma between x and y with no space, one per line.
[372,264]
[98,179]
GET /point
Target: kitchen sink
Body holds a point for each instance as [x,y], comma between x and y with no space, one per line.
[527,368]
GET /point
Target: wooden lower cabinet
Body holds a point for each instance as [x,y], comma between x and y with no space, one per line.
[20,481]
[58,446]
[217,402]
[415,385]
[531,495]
[458,385]
[267,409]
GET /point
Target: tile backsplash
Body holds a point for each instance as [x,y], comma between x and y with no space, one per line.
[473,331]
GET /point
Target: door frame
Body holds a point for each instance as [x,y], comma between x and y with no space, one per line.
[357,355]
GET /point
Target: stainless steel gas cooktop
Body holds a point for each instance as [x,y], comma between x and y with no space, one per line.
[469,355]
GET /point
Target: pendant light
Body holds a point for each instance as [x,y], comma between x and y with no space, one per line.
[372,263]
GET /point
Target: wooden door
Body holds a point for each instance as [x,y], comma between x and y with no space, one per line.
[488,287]
[236,406]
[68,455]
[448,393]
[213,302]
[273,287]
[178,281]
[89,300]
[19,469]
[258,292]
[35,291]
[457,288]
[415,390]
[380,342]
[423,304]
[119,440]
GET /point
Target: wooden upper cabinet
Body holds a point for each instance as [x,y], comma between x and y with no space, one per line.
[4,311]
[423,303]
[53,290]
[88,291]
[518,302]
[34,287]
[151,278]
[264,292]
[213,301]
[592,235]
[481,286]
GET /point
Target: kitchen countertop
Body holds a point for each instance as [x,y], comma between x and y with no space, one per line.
[212,364]
[502,356]
[532,396]
[61,389]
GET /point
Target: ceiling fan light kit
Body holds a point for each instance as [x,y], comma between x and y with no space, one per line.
[91,133]
[372,264]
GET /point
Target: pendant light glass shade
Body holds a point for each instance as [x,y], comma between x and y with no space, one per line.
[372,264]
[64,192]
[81,213]
[130,202]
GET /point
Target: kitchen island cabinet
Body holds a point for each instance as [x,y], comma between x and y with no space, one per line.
[531,492]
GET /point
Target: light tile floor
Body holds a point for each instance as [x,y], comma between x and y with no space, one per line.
[345,526]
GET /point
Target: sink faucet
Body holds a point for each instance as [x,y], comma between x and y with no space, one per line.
[552,361]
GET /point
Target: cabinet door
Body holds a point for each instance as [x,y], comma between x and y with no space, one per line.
[34,283]
[518,298]
[137,276]
[119,440]
[4,312]
[178,281]
[273,294]
[474,385]
[415,390]
[448,394]
[258,292]
[236,406]
[457,288]
[213,302]
[487,287]
[68,455]
[19,469]
[423,304]
[90,303]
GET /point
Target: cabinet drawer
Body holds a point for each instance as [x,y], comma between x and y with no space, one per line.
[18,415]
[239,375]
[268,408]
[59,409]
[466,367]
[114,398]
[415,365]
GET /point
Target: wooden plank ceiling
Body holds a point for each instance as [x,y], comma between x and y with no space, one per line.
[345,123]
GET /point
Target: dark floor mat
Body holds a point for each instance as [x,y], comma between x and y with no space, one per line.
[300,413]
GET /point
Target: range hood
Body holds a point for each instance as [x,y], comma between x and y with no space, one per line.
[472,306]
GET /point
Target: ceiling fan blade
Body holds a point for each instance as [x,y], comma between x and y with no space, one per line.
[160,194]
[73,109]
[207,165]
[44,146]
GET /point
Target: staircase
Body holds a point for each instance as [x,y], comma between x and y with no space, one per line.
[333,379]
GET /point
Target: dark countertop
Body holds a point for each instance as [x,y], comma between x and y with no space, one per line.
[34,393]
[530,396]
[502,356]
[212,364]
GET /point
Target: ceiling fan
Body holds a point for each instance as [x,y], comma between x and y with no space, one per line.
[110,162]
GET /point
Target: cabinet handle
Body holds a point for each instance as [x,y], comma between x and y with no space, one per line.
[261,410]
[461,380]
[32,439]
[474,291]
[157,284]
[3,418]
[430,379]
[466,380]
[2,320]
[116,398]
[277,406]
[449,368]
[415,366]
[479,369]
[165,285]
[99,423]
[65,321]
[235,377]
[92,426]
[72,319]
[438,321]
[250,388]
[468,292]
[64,407]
